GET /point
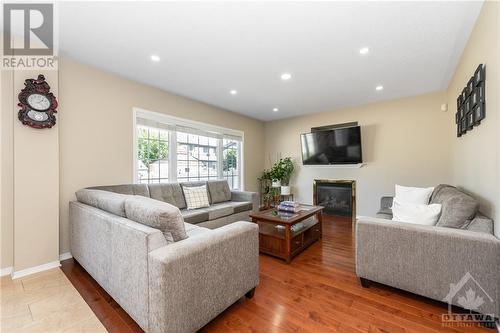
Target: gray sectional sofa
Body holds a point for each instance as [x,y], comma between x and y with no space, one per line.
[440,262]
[226,206]
[168,286]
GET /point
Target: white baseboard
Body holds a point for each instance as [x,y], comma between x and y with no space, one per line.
[5,271]
[65,255]
[36,269]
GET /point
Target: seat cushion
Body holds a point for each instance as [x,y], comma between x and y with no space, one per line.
[156,214]
[458,208]
[385,213]
[193,230]
[113,203]
[194,216]
[220,210]
[219,191]
[241,206]
[170,193]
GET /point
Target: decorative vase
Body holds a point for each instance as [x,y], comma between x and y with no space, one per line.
[285,190]
[276,183]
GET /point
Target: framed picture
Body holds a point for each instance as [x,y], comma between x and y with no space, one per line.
[474,98]
[479,74]
[459,101]
[470,120]
[461,112]
[464,94]
[479,113]
[480,92]
[470,85]
[463,125]
[457,117]
[467,106]
[459,129]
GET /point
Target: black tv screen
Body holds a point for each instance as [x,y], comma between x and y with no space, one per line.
[336,146]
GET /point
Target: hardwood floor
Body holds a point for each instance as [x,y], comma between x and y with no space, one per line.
[317,292]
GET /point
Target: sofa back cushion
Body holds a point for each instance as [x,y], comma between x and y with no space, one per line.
[156,214]
[113,203]
[170,193]
[458,208]
[130,189]
[219,191]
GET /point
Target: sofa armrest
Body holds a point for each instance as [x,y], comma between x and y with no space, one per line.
[246,196]
[426,259]
[386,202]
[193,280]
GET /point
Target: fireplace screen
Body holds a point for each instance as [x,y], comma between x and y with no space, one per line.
[335,197]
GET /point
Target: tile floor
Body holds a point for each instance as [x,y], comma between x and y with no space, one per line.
[44,302]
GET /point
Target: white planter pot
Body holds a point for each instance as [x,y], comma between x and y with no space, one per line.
[285,190]
[276,183]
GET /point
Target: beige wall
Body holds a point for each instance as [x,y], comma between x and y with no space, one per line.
[30,181]
[404,142]
[7,171]
[96,130]
[474,156]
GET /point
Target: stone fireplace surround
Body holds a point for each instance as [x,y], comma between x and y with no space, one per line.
[337,196]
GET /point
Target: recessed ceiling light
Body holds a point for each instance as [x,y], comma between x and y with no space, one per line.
[378,88]
[275,109]
[364,50]
[286,76]
[155,57]
[233,92]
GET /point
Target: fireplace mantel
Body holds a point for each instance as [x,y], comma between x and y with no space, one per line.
[339,201]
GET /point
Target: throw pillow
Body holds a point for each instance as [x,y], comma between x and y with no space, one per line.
[413,195]
[196,196]
[459,208]
[416,213]
[157,214]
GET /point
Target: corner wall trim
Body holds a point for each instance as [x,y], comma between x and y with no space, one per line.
[65,256]
[36,269]
[5,271]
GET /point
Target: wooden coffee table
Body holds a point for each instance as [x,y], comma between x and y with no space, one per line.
[284,235]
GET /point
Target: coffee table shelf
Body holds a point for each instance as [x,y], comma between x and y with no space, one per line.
[286,235]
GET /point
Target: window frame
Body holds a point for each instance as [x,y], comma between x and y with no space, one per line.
[174,122]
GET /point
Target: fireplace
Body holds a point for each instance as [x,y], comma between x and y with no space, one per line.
[337,196]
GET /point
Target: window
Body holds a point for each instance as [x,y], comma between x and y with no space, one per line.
[230,157]
[170,149]
[152,155]
[196,157]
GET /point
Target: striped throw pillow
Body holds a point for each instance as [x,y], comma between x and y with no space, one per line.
[196,196]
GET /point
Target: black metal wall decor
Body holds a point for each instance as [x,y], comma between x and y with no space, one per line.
[471,104]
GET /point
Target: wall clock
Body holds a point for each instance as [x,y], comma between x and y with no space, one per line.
[38,104]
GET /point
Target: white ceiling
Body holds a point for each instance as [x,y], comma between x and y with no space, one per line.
[209,48]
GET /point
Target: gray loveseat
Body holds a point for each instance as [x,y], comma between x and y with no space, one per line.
[168,286]
[427,260]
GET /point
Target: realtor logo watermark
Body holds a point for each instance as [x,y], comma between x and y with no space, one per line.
[29,36]
[469,295]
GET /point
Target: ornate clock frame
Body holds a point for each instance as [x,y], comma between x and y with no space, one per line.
[38,86]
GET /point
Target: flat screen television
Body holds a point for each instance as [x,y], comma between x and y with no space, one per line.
[335,146]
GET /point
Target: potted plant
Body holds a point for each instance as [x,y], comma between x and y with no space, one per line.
[286,166]
[276,173]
